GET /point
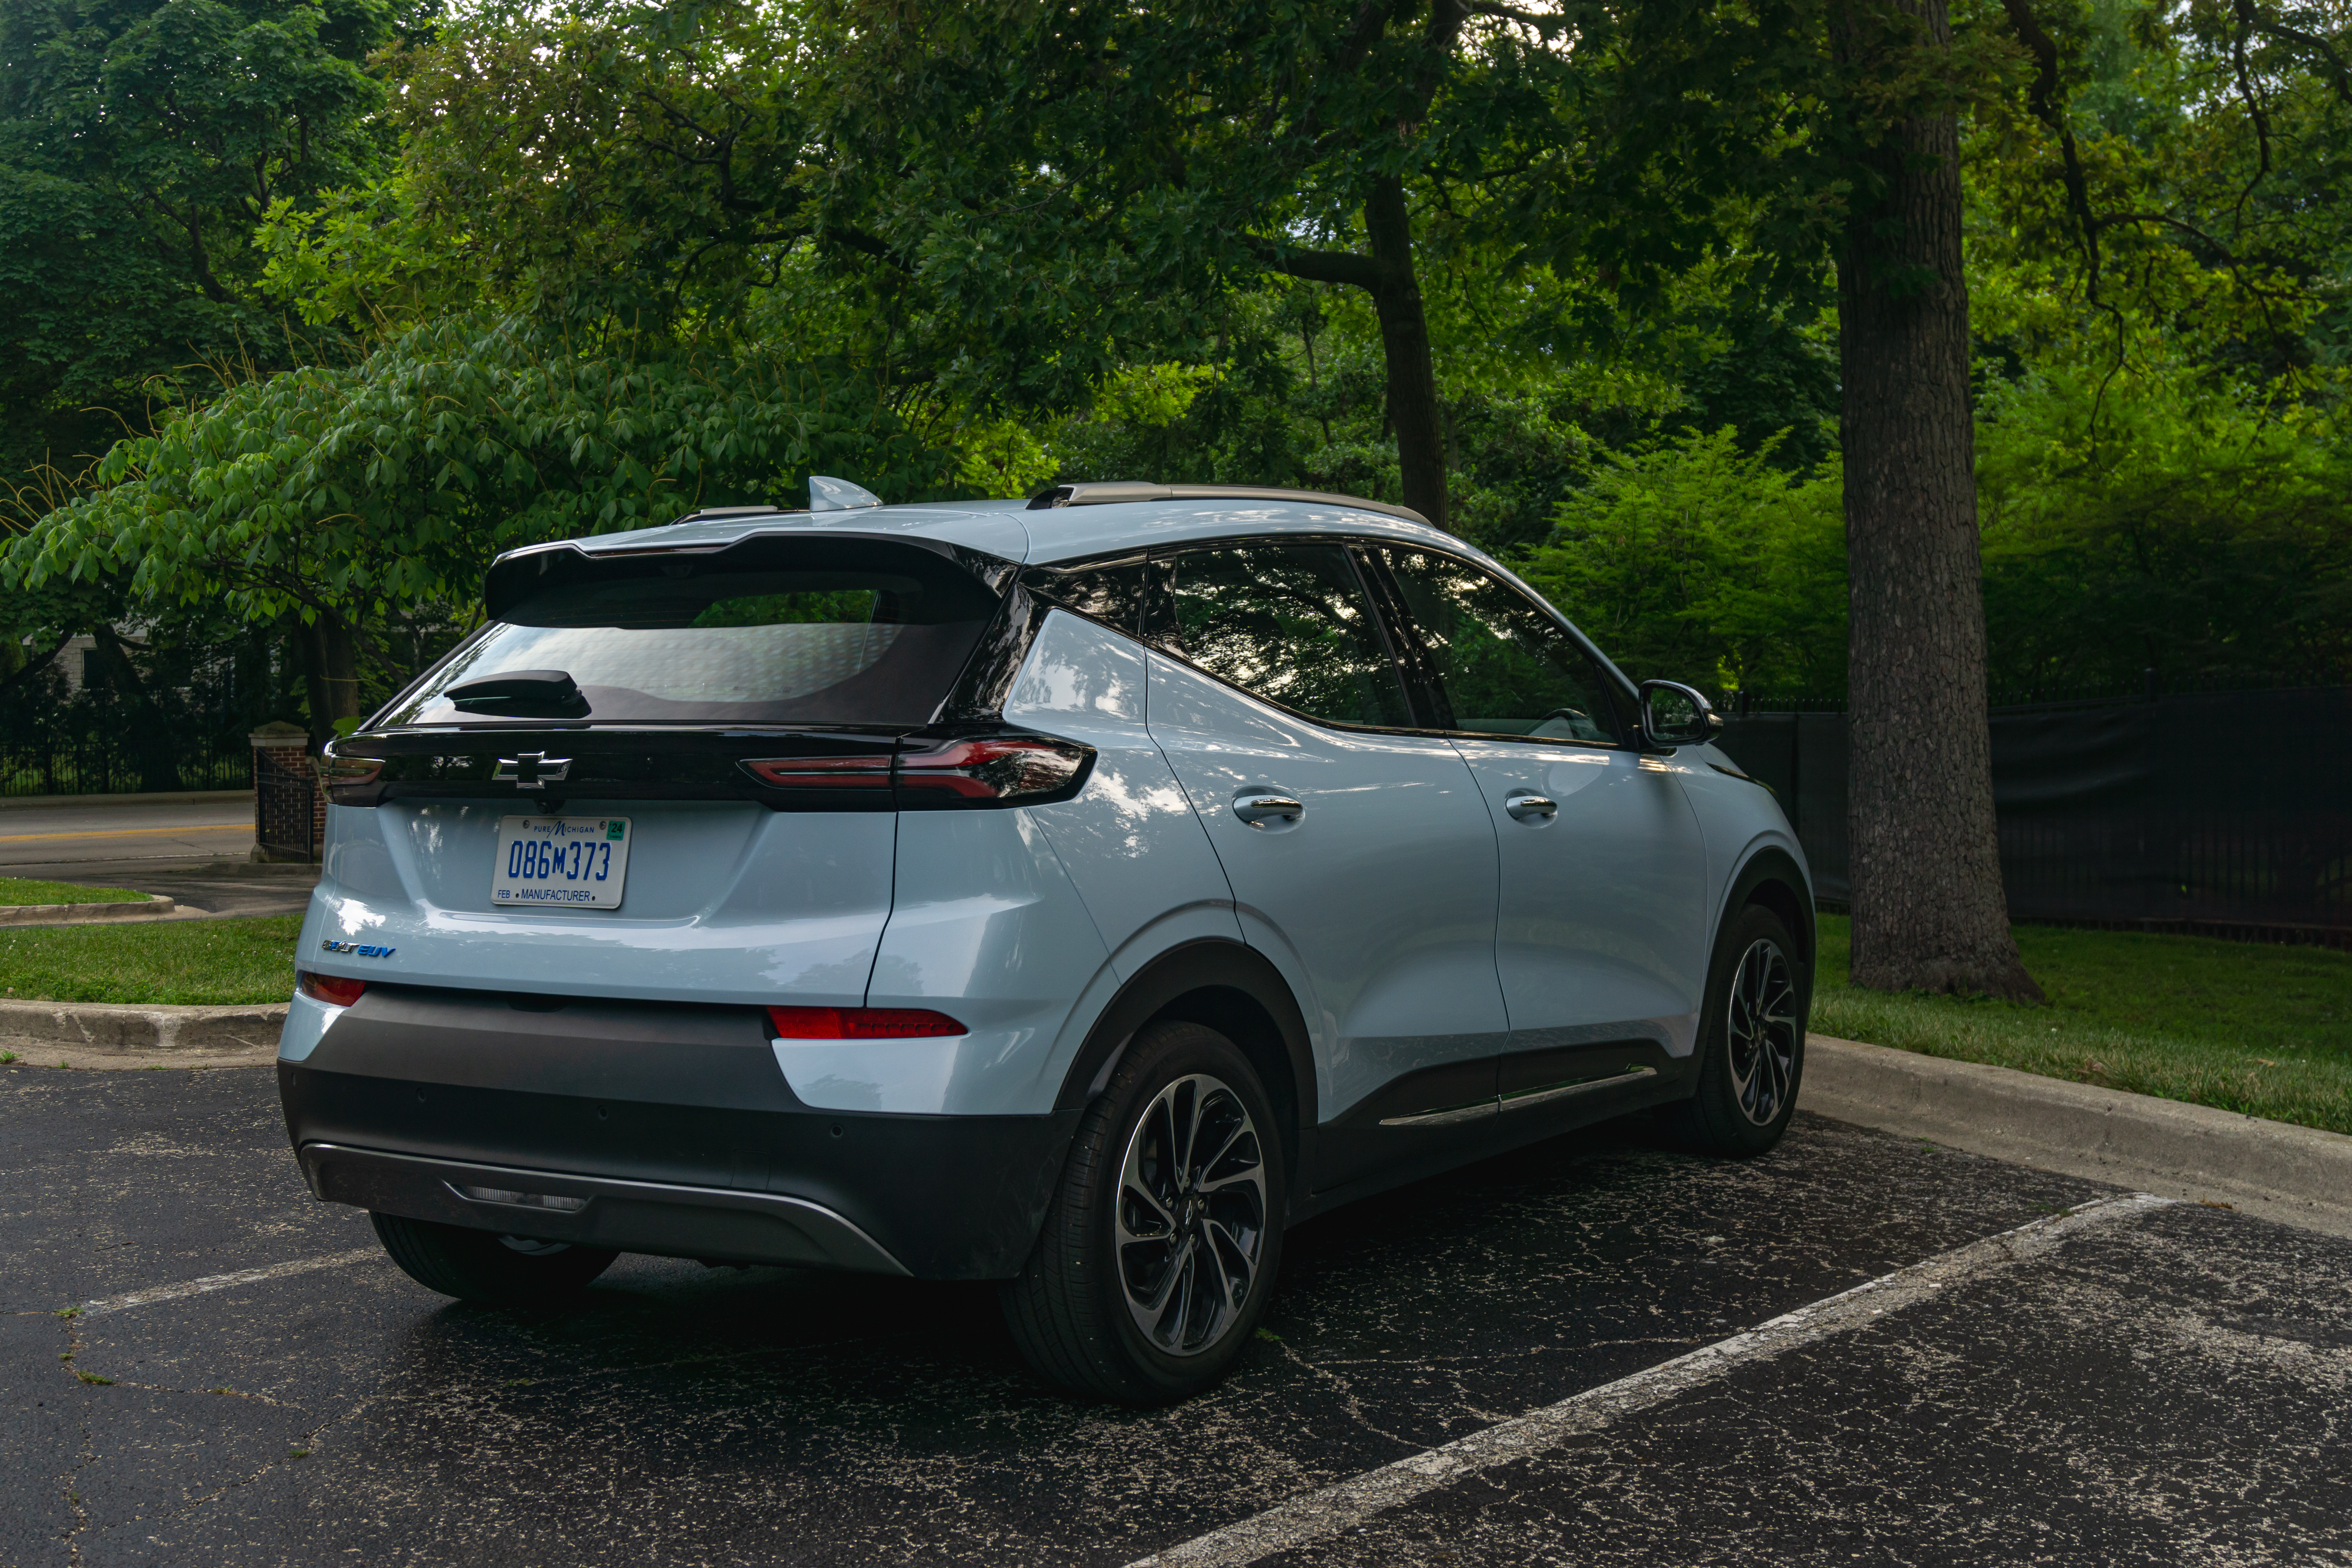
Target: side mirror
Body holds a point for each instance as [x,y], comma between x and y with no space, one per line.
[1674,715]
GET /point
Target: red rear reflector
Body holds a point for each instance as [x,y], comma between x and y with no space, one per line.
[824,772]
[860,1022]
[1006,768]
[332,989]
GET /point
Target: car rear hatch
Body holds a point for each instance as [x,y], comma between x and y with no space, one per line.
[672,774]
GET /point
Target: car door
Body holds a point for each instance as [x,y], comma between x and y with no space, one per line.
[1361,858]
[1599,936]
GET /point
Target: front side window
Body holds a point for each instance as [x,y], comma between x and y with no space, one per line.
[671,641]
[1503,666]
[1291,623]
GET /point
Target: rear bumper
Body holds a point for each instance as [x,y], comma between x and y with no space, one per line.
[670,1129]
[628,1216]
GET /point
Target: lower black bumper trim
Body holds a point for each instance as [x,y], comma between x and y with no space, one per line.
[628,1216]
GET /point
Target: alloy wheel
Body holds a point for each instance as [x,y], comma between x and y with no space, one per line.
[1191,1225]
[1761,1029]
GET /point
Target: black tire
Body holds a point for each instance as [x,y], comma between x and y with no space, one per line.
[1751,1039]
[494,1270]
[1128,1221]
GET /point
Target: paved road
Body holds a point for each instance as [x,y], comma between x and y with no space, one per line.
[196,853]
[67,835]
[2159,1385]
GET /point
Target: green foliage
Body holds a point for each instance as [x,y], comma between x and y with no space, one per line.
[393,483]
[1695,561]
[2170,188]
[360,257]
[1085,188]
[631,258]
[139,145]
[2149,522]
[610,163]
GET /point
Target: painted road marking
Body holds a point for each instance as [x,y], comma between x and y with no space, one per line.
[122,832]
[1317,1515]
[211,1282]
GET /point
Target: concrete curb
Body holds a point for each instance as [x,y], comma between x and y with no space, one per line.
[111,1035]
[176,798]
[2274,1170]
[157,905]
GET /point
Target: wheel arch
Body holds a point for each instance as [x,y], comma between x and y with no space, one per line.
[1224,986]
[1772,878]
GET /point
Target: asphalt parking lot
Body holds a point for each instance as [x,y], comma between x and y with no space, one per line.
[1597,1325]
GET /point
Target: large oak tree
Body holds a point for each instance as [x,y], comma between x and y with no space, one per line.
[1784,137]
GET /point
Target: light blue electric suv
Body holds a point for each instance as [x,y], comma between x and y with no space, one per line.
[1072,893]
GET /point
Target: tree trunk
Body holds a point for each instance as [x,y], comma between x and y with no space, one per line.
[1404,339]
[1929,910]
[331,674]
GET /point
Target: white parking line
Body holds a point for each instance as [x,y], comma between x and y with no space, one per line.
[156,1293]
[1319,1514]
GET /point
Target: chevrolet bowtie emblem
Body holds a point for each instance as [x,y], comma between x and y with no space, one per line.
[531,770]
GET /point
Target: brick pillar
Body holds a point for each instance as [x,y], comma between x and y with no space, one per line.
[285,794]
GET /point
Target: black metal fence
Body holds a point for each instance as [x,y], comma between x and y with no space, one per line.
[2217,810]
[117,764]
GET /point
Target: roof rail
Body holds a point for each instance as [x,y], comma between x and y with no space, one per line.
[701,512]
[1113,493]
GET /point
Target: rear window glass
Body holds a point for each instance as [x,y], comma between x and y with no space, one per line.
[678,641]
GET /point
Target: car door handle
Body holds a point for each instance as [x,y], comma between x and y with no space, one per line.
[1258,809]
[1529,808]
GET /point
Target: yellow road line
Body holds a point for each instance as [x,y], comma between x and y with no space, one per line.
[122,832]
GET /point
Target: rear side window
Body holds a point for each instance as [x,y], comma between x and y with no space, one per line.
[1503,666]
[1291,623]
[1112,592]
[669,639]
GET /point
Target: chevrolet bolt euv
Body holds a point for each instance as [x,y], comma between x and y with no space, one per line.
[1072,893]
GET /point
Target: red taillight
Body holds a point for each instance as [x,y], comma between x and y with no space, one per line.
[984,769]
[339,769]
[996,768]
[332,989]
[824,772]
[860,1022]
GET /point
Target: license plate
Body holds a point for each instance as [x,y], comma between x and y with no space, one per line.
[570,862]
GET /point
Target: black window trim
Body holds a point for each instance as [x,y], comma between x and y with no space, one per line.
[1430,704]
[1403,642]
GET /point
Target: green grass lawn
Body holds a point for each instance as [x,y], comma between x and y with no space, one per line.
[23,891]
[214,962]
[2246,1027]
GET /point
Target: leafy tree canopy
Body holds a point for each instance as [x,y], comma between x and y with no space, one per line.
[345,494]
[140,143]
